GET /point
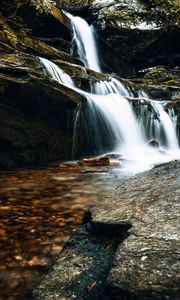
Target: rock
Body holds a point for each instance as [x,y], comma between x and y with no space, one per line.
[136,32]
[159,82]
[44,16]
[153,143]
[17,34]
[143,263]
[36,113]
[129,246]
[57,43]
[95,161]
[80,271]
[74,5]
[42,49]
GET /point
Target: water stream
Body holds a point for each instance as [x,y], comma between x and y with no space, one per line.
[111,122]
[84,41]
[42,206]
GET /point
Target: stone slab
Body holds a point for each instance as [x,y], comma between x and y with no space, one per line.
[129,247]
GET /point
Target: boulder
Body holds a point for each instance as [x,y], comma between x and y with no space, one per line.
[154,143]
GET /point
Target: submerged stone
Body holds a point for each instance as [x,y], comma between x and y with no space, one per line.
[95,161]
[154,143]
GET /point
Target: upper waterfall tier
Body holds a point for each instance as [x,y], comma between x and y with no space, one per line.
[84,39]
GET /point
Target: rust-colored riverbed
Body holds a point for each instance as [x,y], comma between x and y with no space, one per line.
[39,209]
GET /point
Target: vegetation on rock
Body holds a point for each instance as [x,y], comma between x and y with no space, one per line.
[167,9]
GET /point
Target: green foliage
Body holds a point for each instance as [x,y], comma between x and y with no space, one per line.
[42,6]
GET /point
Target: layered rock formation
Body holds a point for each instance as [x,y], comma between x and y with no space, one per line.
[132,35]
[37,114]
[141,33]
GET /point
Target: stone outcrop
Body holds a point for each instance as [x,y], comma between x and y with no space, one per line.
[29,29]
[129,247]
[75,5]
[137,31]
[37,113]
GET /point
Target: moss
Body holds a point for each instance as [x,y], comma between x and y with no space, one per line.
[168,10]
[42,6]
[121,15]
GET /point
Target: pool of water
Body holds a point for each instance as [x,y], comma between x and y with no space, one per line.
[40,208]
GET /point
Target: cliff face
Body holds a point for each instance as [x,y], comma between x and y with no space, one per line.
[142,33]
[37,114]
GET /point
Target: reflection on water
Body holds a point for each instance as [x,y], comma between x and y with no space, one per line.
[39,210]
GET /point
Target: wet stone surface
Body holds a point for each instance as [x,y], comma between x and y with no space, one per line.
[142,216]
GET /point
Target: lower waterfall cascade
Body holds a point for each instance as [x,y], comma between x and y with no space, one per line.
[110,117]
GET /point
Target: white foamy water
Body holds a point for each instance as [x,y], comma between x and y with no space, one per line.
[118,113]
[56,73]
[114,122]
[84,38]
[167,125]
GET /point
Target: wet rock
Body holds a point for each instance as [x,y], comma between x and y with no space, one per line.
[80,271]
[36,114]
[57,43]
[95,161]
[74,5]
[145,265]
[160,82]
[44,16]
[154,143]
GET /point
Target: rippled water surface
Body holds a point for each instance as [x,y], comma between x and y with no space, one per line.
[39,208]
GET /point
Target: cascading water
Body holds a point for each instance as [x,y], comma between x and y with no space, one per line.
[110,118]
[167,125]
[53,71]
[84,39]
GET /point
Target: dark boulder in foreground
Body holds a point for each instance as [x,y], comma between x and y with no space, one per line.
[129,246]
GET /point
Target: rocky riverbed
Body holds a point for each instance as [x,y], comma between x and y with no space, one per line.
[43,121]
[128,246]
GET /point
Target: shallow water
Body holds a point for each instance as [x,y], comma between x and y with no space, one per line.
[40,207]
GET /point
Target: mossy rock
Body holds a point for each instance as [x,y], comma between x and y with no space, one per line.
[137,33]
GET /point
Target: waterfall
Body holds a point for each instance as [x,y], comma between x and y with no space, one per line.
[84,39]
[53,71]
[167,125]
[113,86]
[110,122]
[118,113]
